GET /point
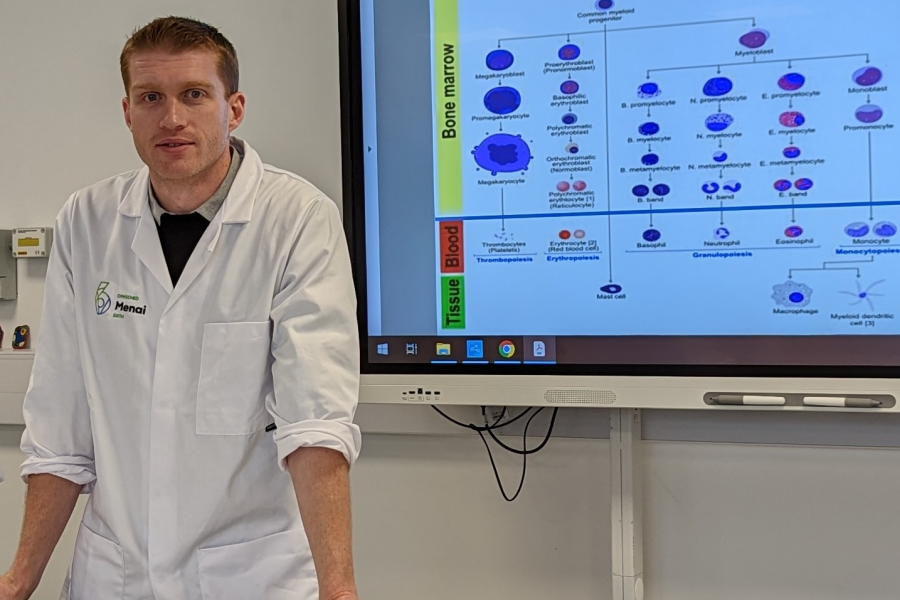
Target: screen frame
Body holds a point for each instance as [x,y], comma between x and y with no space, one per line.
[353,179]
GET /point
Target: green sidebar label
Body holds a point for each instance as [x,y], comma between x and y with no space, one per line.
[453,302]
[446,80]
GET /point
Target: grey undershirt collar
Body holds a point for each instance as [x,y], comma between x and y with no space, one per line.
[209,208]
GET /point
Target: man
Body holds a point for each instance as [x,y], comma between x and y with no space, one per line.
[197,371]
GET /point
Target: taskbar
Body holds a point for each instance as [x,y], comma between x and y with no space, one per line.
[816,351]
[471,350]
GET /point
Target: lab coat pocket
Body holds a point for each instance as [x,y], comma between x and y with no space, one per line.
[276,567]
[233,369]
[98,569]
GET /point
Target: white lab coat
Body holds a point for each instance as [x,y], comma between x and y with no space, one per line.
[157,400]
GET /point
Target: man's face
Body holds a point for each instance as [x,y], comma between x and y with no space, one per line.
[178,113]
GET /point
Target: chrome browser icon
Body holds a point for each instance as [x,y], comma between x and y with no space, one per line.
[507,349]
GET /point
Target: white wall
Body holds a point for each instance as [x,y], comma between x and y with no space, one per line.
[735,521]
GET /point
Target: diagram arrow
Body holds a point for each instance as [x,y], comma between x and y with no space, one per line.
[792,140]
[721,213]
[502,210]
[718,70]
[608,178]
[568,38]
[792,169]
[649,147]
[648,112]
[720,142]
[651,215]
[721,173]
[790,66]
[651,177]
[720,107]
[791,103]
[793,212]
[501,125]
[871,206]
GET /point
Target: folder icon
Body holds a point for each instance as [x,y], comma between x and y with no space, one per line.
[443,349]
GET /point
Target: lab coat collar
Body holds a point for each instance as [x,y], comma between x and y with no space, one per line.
[238,206]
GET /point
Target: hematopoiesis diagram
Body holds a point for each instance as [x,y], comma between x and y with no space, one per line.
[630,167]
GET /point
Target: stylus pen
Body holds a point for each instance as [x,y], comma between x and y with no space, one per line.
[836,401]
[752,400]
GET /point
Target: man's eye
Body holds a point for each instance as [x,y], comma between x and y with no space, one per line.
[151,97]
[195,94]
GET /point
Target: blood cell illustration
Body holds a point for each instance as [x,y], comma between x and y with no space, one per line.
[503,153]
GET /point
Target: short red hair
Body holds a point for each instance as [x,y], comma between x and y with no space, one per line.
[178,34]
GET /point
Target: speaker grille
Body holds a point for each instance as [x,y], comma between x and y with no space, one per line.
[579,397]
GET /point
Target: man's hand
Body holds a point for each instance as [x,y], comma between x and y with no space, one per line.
[10,590]
[321,481]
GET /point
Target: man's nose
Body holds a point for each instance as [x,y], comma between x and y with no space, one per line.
[173,116]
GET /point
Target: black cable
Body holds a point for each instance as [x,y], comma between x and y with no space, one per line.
[524,452]
[474,427]
[524,462]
